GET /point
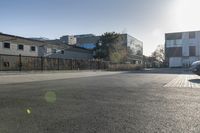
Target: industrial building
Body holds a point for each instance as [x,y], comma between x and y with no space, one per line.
[15,45]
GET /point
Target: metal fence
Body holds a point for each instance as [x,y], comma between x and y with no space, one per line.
[27,63]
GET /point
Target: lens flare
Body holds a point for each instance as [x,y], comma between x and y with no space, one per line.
[28,111]
[50,96]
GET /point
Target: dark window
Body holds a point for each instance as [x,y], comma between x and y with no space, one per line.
[6,64]
[62,51]
[33,48]
[54,51]
[192,51]
[6,45]
[174,52]
[20,47]
[191,35]
[173,36]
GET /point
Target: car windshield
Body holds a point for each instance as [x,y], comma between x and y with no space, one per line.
[99,66]
[195,63]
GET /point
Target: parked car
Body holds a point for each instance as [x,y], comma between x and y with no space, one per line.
[195,67]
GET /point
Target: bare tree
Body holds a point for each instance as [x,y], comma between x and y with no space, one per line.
[159,54]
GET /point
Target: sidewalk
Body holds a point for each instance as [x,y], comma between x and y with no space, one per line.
[22,77]
[3,73]
[165,70]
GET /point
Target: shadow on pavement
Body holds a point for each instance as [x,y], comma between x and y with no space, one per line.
[194,81]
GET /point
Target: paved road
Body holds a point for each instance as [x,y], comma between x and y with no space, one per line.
[119,103]
[23,77]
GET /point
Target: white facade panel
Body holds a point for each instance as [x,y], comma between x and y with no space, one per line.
[175,62]
[185,51]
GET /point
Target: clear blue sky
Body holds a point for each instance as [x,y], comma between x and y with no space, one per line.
[146,20]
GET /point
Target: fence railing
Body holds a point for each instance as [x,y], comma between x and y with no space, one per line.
[26,63]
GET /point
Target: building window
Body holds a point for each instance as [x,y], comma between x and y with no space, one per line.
[33,48]
[20,47]
[173,36]
[54,51]
[6,45]
[174,52]
[191,35]
[62,52]
[6,64]
[192,51]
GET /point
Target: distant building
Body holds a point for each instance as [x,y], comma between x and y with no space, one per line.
[134,49]
[15,45]
[87,41]
[182,48]
[57,49]
[70,40]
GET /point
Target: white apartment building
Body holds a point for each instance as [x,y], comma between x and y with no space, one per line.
[182,48]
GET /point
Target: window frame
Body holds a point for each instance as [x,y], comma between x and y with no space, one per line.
[192,51]
[18,47]
[192,35]
[5,44]
[32,49]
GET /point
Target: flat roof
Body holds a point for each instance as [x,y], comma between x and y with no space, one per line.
[183,32]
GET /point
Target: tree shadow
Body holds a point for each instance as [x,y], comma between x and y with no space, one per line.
[194,81]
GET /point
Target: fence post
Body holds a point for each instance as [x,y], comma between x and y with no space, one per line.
[1,64]
[90,64]
[58,64]
[20,62]
[71,64]
[42,65]
[98,64]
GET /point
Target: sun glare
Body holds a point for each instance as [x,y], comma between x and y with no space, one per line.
[186,14]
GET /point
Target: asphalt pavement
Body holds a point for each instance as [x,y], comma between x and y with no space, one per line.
[113,103]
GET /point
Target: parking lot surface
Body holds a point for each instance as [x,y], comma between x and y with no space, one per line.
[112,103]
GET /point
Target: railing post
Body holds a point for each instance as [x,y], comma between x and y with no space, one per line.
[71,64]
[0,64]
[90,65]
[20,62]
[42,63]
[58,64]
[98,64]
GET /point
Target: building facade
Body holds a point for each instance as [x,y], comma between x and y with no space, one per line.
[182,48]
[87,41]
[133,46]
[134,49]
[15,45]
[70,40]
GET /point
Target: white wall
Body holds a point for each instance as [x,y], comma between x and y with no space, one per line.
[175,62]
[13,50]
